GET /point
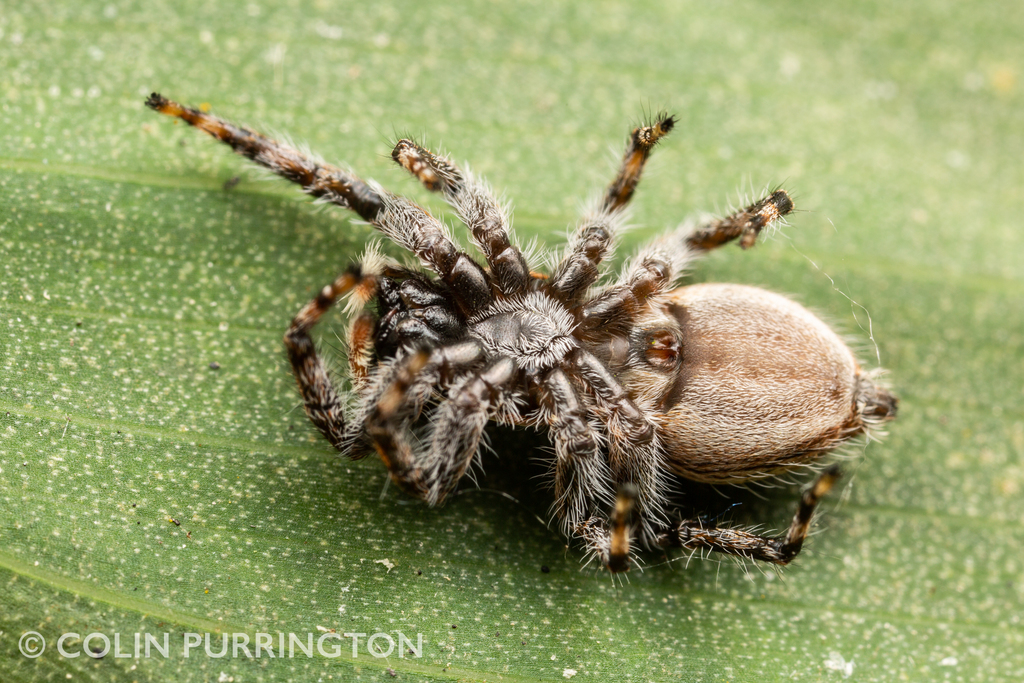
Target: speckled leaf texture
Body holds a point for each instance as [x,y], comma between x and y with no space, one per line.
[127,269]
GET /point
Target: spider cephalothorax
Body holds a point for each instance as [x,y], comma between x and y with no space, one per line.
[635,381]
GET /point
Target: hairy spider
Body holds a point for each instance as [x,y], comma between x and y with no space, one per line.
[635,381]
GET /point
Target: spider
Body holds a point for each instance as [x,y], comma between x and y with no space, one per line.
[636,381]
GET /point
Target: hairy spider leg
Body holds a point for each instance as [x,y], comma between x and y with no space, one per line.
[596,539]
[398,218]
[412,227]
[403,385]
[581,474]
[319,397]
[459,424]
[316,178]
[633,454]
[477,207]
[386,424]
[746,224]
[617,308]
[594,237]
[781,550]
[360,348]
[658,264]
[476,392]
[641,142]
[618,551]
[591,242]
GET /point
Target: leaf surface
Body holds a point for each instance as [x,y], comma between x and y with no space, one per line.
[142,491]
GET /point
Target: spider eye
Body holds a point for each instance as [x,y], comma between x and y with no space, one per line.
[663,349]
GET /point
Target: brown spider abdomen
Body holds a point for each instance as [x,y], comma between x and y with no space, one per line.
[763,385]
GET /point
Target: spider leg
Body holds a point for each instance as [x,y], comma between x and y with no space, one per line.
[611,546]
[588,246]
[618,555]
[581,475]
[781,550]
[634,454]
[398,218]
[319,397]
[477,208]
[596,538]
[656,266]
[316,178]
[638,149]
[459,425]
[403,391]
[746,224]
[652,272]
[386,424]
[360,348]
[396,393]
[414,228]
[593,239]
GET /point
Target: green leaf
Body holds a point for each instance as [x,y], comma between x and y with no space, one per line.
[127,269]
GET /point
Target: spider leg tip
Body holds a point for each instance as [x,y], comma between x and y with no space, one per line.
[156,101]
[782,201]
